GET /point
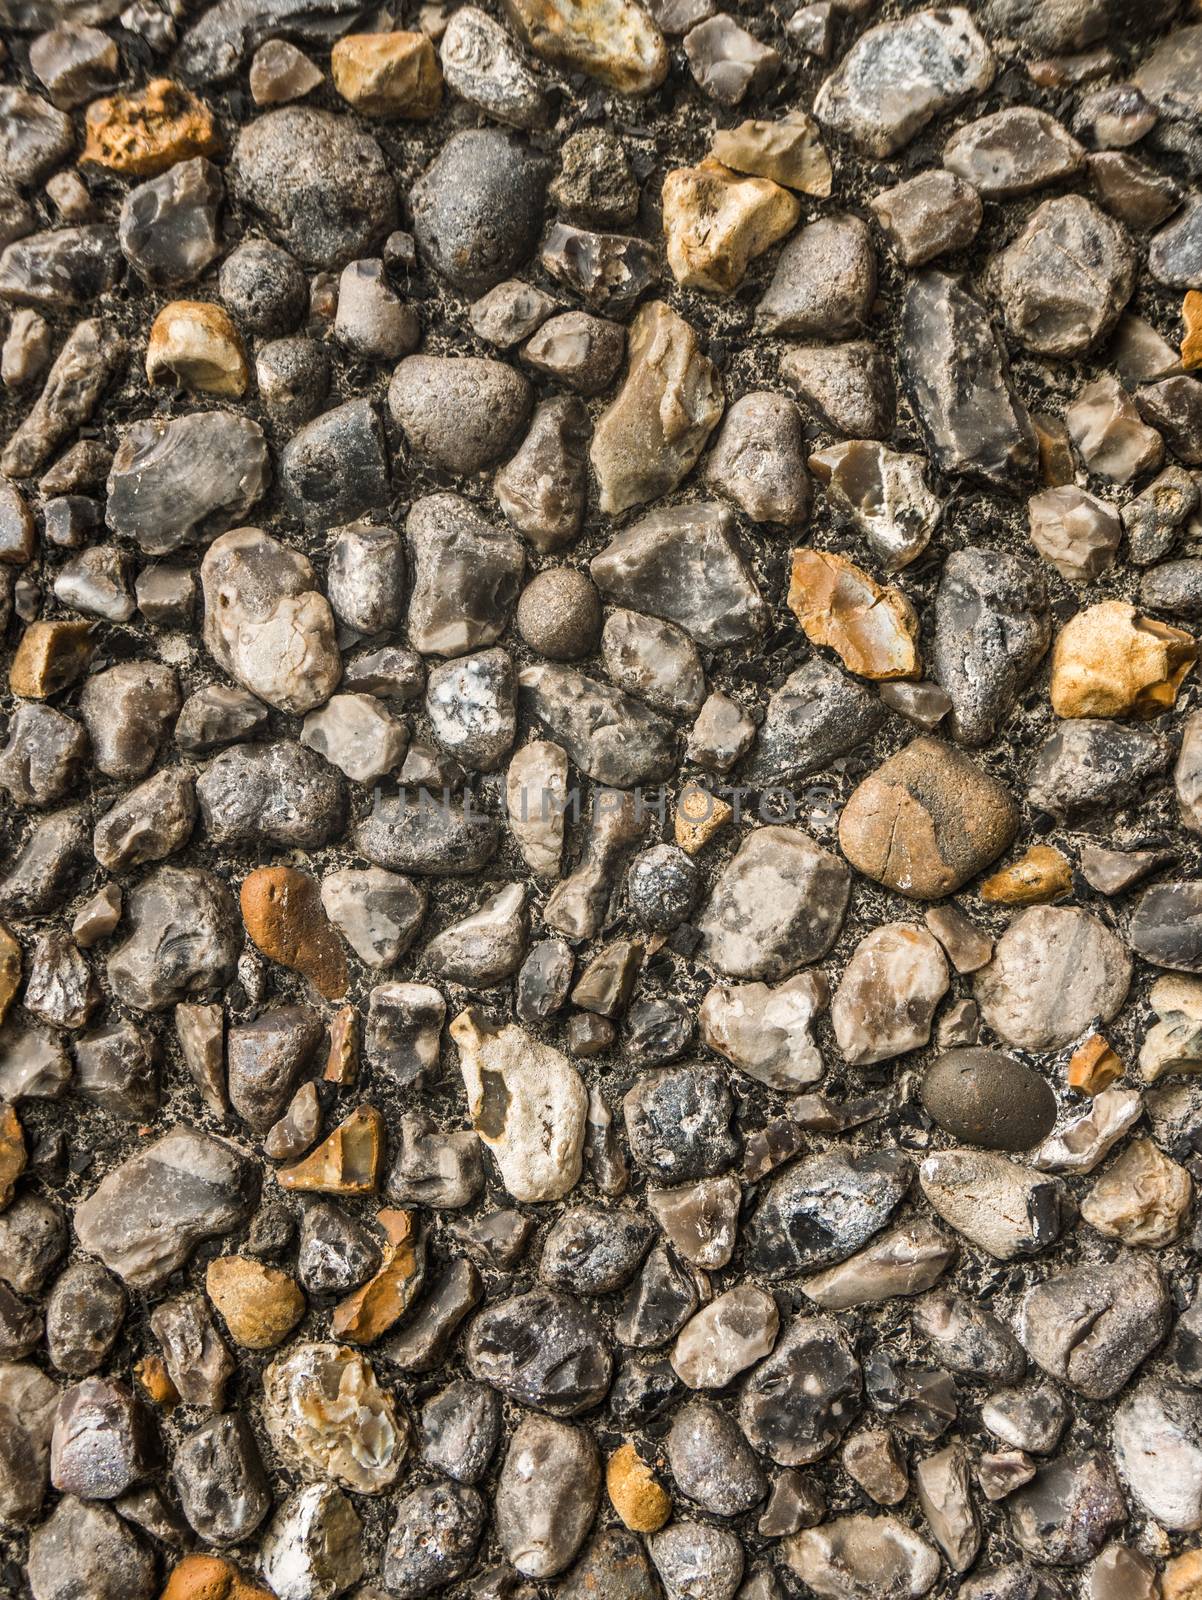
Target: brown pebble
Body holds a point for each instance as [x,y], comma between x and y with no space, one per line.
[259,1304]
[873,629]
[283,914]
[10,970]
[369,1313]
[638,1496]
[347,1161]
[388,74]
[1041,875]
[210,1578]
[1191,338]
[49,657]
[1093,1066]
[151,1373]
[12,1153]
[140,135]
[342,1063]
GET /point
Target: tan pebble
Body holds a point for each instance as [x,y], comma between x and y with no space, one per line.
[873,629]
[1108,661]
[789,151]
[716,223]
[10,970]
[1143,1198]
[196,345]
[12,1153]
[283,914]
[342,1063]
[699,815]
[612,40]
[1093,1066]
[140,135]
[260,1305]
[368,1313]
[50,656]
[1041,875]
[1182,1578]
[388,74]
[280,73]
[1191,340]
[1056,464]
[347,1161]
[210,1578]
[638,1496]
[151,1373]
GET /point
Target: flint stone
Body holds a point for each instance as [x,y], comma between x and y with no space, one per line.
[541,1349]
[822,1209]
[1092,1325]
[176,481]
[184,939]
[278,793]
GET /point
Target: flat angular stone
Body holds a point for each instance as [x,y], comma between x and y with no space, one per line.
[797,1405]
[888,994]
[61,268]
[851,1557]
[541,1349]
[183,939]
[1051,306]
[928,215]
[610,736]
[716,222]
[466,575]
[1092,1325]
[541,488]
[175,482]
[1006,1209]
[822,1209]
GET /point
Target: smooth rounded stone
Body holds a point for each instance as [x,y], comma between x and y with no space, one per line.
[758,459]
[293,376]
[711,1461]
[168,226]
[44,755]
[1091,762]
[1007,1209]
[954,368]
[265,1057]
[926,821]
[527,1103]
[150,822]
[459,412]
[466,576]
[611,737]
[822,1209]
[546,1495]
[478,207]
[856,1557]
[1078,533]
[825,281]
[678,1123]
[335,468]
[1055,970]
[335,1253]
[471,703]
[1158,1449]
[378,913]
[590,1250]
[265,290]
[104,1440]
[797,1404]
[278,793]
[1069,1510]
[652,433]
[184,938]
[357,734]
[312,1548]
[900,75]
[321,184]
[928,215]
[725,1337]
[778,904]
[1091,1326]
[1012,152]
[967,1337]
[176,481]
[83,1547]
[541,489]
[28,1402]
[433,1539]
[365,579]
[461,1428]
[482,66]
[372,322]
[982,1097]
[219,1476]
[888,994]
[128,711]
[696,1561]
[559,614]
[542,1349]
[992,628]
[653,660]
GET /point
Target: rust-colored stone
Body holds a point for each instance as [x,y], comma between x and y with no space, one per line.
[383,1300]
[342,1064]
[10,970]
[347,1161]
[638,1496]
[1191,338]
[1041,875]
[12,1153]
[873,629]
[140,135]
[210,1578]
[1093,1066]
[699,815]
[260,1305]
[151,1373]
[49,657]
[283,914]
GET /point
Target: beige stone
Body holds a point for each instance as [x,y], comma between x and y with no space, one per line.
[612,40]
[716,223]
[1182,1578]
[142,134]
[873,629]
[259,1304]
[281,73]
[1142,1199]
[638,1496]
[12,1152]
[1191,334]
[1108,661]
[1043,874]
[790,152]
[50,656]
[699,815]
[196,345]
[10,970]
[388,74]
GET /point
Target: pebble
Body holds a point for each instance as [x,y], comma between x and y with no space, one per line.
[696,1561]
[716,221]
[992,628]
[1105,426]
[1144,1198]
[280,73]
[636,1494]
[788,152]
[824,283]
[482,66]
[872,629]
[311,1549]
[758,459]
[565,1372]
[140,135]
[86,1547]
[929,215]
[388,74]
[546,1496]
[197,346]
[983,1097]
[465,577]
[1074,530]
[777,905]
[328,1417]
[477,209]
[617,43]
[1126,1318]
[1001,1206]
[608,271]
[853,1555]
[282,912]
[541,488]
[888,994]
